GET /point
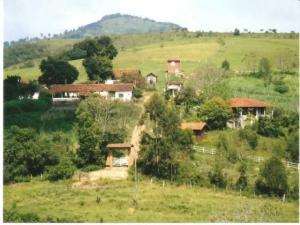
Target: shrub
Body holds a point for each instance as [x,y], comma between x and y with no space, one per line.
[273,178]
[250,136]
[90,168]
[281,88]
[189,173]
[27,64]
[225,65]
[26,153]
[137,93]
[268,127]
[217,177]
[293,147]
[64,170]
[242,181]
[13,215]
[25,105]
[226,148]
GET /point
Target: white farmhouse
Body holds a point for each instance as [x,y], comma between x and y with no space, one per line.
[73,92]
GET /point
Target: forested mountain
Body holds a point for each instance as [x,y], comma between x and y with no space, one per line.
[120,24]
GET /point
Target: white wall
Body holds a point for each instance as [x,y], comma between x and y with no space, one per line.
[127,95]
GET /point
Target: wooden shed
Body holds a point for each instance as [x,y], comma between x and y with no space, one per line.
[197,127]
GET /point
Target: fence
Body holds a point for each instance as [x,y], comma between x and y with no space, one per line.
[211,151]
[257,159]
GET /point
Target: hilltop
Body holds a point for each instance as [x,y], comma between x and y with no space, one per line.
[116,24]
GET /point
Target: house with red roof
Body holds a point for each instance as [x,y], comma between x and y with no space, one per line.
[246,111]
[73,92]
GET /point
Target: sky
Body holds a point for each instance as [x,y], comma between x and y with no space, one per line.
[30,18]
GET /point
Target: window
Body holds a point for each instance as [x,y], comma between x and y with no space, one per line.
[121,95]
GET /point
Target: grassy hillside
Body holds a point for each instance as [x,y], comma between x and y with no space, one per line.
[155,203]
[194,52]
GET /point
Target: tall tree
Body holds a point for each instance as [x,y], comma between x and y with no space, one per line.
[56,71]
[98,68]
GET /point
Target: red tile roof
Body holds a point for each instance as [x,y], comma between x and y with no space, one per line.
[246,102]
[89,88]
[193,125]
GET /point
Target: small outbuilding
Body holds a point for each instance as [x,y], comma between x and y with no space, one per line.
[173,66]
[174,87]
[151,80]
[118,161]
[198,128]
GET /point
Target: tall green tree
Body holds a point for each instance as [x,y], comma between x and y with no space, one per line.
[273,178]
[167,146]
[56,71]
[98,68]
[215,112]
[98,46]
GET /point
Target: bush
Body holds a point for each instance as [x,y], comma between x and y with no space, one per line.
[293,147]
[225,65]
[217,177]
[64,170]
[189,173]
[25,105]
[242,181]
[14,216]
[90,168]
[268,127]
[26,153]
[137,93]
[27,64]
[273,178]
[250,136]
[281,88]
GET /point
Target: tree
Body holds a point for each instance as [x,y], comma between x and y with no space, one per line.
[236,32]
[98,68]
[268,127]
[273,178]
[165,147]
[187,97]
[225,65]
[12,87]
[26,153]
[100,121]
[15,89]
[56,71]
[98,46]
[215,112]
[293,147]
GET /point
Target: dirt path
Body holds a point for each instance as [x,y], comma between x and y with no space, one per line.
[85,180]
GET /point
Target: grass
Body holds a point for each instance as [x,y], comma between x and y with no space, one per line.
[154,204]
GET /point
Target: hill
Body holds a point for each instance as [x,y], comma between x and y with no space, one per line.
[120,24]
